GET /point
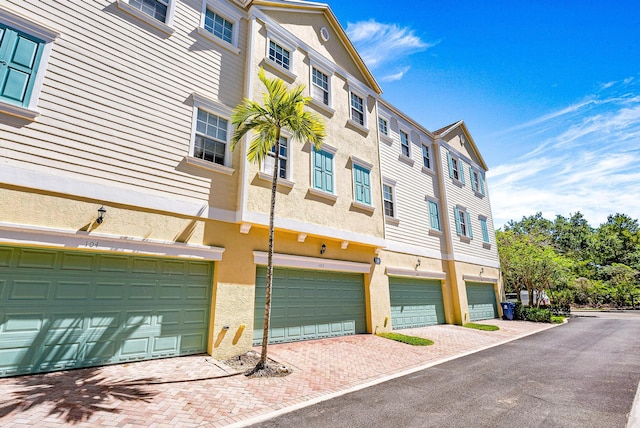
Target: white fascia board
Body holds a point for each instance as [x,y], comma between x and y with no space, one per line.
[476,278]
[476,261]
[412,273]
[313,229]
[69,239]
[316,263]
[106,194]
[400,247]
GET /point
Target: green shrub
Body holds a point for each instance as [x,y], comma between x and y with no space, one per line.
[517,311]
[536,314]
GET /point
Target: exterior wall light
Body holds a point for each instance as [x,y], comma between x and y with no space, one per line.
[376,260]
[323,249]
[101,214]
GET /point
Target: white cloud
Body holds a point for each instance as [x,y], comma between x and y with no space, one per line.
[396,76]
[383,44]
[585,157]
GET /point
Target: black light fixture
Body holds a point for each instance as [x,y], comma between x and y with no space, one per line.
[323,249]
[376,260]
[101,214]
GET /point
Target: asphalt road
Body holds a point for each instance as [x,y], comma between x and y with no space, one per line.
[582,374]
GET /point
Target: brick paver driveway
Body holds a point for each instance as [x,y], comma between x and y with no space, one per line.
[198,391]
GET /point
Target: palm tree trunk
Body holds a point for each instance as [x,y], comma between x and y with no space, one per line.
[267,303]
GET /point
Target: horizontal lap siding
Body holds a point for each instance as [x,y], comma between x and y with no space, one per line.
[116,100]
[412,187]
[467,198]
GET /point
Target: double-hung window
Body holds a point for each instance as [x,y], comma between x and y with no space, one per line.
[279,55]
[383,126]
[426,158]
[389,200]
[434,215]
[323,171]
[361,185]
[357,109]
[210,142]
[456,169]
[477,182]
[404,144]
[319,86]
[158,13]
[19,61]
[283,160]
[485,230]
[463,222]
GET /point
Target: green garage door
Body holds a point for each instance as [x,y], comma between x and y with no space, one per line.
[67,309]
[415,302]
[482,301]
[308,304]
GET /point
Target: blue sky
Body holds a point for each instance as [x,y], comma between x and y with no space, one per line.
[550,91]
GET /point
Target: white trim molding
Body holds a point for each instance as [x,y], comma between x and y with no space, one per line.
[316,263]
[476,278]
[412,273]
[66,239]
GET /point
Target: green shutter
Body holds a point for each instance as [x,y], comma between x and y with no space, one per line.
[461,170]
[485,232]
[473,182]
[470,232]
[456,215]
[362,187]
[317,170]
[450,165]
[366,186]
[481,184]
[19,60]
[328,172]
[433,214]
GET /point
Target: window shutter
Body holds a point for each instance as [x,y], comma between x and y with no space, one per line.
[366,187]
[461,170]
[317,170]
[328,172]
[485,231]
[456,215]
[469,225]
[21,56]
[433,214]
[481,184]
[450,165]
[358,184]
[473,182]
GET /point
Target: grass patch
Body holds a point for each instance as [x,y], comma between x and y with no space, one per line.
[557,319]
[410,340]
[484,327]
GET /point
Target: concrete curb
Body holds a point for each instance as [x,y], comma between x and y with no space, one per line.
[289,409]
[634,414]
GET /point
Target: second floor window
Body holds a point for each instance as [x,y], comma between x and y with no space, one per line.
[283,158]
[426,159]
[211,137]
[389,203]
[384,126]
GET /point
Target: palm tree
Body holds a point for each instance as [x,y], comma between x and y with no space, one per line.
[281,110]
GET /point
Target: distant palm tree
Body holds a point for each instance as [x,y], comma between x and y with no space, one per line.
[281,109]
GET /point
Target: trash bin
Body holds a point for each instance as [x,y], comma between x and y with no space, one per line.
[508,310]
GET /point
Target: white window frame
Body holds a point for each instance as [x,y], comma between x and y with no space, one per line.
[387,138]
[222,111]
[408,146]
[392,219]
[364,126]
[478,183]
[225,11]
[429,157]
[166,26]
[48,36]
[266,172]
[456,168]
[285,44]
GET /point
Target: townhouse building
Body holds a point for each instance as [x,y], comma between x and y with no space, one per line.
[129,230]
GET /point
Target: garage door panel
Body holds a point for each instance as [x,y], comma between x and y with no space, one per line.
[128,304]
[481,299]
[415,302]
[308,304]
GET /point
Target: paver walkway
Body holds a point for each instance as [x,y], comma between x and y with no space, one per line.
[198,391]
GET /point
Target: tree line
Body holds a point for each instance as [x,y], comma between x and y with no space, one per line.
[571,261]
